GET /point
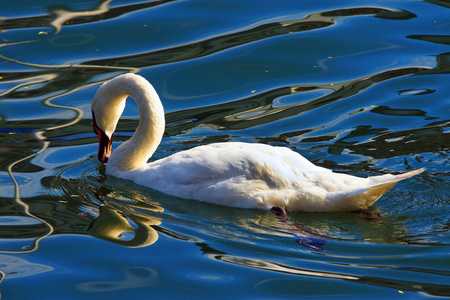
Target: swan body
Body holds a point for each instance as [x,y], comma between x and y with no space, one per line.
[233,174]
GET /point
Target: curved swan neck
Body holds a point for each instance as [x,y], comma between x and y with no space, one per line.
[110,102]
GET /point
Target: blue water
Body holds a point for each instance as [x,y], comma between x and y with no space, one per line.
[360,87]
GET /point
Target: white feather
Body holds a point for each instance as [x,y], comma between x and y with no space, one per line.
[232,174]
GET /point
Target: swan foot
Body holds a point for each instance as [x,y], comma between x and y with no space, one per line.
[368,215]
[279,212]
[306,237]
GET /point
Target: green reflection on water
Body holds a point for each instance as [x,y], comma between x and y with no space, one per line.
[361,101]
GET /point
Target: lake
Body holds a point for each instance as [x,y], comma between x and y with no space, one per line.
[359,87]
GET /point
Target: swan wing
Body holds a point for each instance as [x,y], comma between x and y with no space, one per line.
[232,174]
[260,176]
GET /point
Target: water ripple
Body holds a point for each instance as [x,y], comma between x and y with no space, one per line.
[360,89]
[232,40]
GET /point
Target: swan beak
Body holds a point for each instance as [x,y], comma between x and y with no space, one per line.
[104,142]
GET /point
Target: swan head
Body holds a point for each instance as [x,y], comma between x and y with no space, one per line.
[107,107]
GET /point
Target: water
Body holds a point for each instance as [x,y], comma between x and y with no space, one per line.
[360,87]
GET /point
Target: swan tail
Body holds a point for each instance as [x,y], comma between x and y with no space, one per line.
[388,178]
[409,174]
[361,198]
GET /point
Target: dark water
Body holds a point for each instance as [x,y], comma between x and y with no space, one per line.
[360,87]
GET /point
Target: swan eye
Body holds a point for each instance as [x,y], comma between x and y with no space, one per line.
[97,130]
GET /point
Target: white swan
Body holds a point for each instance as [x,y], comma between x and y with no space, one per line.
[232,174]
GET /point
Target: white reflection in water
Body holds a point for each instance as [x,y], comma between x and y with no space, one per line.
[14,267]
[135,277]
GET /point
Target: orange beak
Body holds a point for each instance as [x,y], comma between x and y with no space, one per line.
[104,143]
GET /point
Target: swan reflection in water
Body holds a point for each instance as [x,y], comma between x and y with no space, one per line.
[124,219]
[112,226]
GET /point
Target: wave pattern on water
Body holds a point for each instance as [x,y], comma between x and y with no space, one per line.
[358,88]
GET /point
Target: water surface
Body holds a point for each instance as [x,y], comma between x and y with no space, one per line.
[360,87]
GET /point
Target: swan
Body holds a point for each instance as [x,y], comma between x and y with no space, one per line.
[243,175]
